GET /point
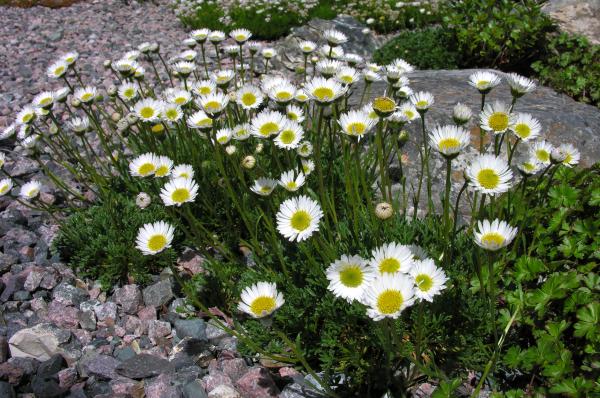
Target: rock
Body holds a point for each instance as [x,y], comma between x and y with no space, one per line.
[190,351]
[18,370]
[87,320]
[65,317]
[234,368]
[3,349]
[67,294]
[34,279]
[106,311]
[191,262]
[194,390]
[6,390]
[144,365]
[157,330]
[214,334]
[123,354]
[297,390]
[195,328]
[127,387]
[102,366]
[147,314]
[39,342]
[45,383]
[257,383]
[161,387]
[224,391]
[158,294]
[214,379]
[67,377]
[129,298]
[576,16]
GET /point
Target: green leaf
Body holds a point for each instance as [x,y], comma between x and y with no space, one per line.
[589,319]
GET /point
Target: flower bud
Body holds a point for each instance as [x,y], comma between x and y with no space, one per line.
[143,200]
[75,103]
[230,149]
[107,64]
[115,116]
[111,91]
[249,162]
[259,148]
[558,155]
[403,137]
[384,106]
[384,210]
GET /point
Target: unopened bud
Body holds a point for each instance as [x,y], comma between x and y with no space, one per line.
[384,210]
[249,162]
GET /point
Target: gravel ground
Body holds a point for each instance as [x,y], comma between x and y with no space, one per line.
[98,29]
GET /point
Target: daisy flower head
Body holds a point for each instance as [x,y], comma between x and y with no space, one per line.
[298,218]
[383,106]
[183,171]
[371,76]
[44,100]
[422,100]
[203,87]
[301,96]
[519,85]
[409,110]
[253,47]
[391,258]
[373,67]
[348,277]
[493,235]
[393,74]
[558,155]
[292,180]
[290,136]
[402,65]
[148,110]
[404,92]
[307,46]
[484,81]
[461,114]
[200,120]
[260,300]
[449,140]
[153,238]
[384,211]
[144,165]
[126,67]
[388,295]
[572,155]
[347,75]
[178,97]
[184,68]
[164,165]
[334,37]
[188,55]
[241,132]
[248,162]
[496,117]
[145,47]
[214,104]
[529,168]
[282,93]
[307,166]
[305,149]
[26,115]
[179,191]
[268,53]
[216,36]
[324,91]
[540,151]
[57,69]
[429,279]
[30,189]
[70,58]
[189,42]
[222,77]
[171,113]
[6,185]
[267,123]
[224,135]
[328,67]
[85,94]
[249,97]
[294,113]
[489,174]
[79,125]
[231,50]
[8,131]
[526,127]
[353,59]
[200,35]
[240,35]
[270,81]
[263,186]
[356,123]
[132,55]
[127,91]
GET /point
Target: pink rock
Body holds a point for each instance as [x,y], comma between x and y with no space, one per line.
[38,304]
[124,386]
[191,263]
[27,252]
[94,293]
[129,298]
[215,379]
[83,336]
[257,383]
[147,314]
[67,377]
[119,331]
[133,324]
[157,330]
[129,338]
[288,372]
[234,368]
[161,387]
[34,279]
[63,316]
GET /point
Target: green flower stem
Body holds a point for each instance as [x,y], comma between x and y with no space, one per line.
[417,196]
[166,68]
[492,293]
[266,66]
[162,86]
[380,155]
[242,63]
[305,66]
[456,208]
[481,131]
[447,208]
[549,183]
[427,151]
[513,150]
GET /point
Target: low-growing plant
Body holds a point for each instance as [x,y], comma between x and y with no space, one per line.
[570,65]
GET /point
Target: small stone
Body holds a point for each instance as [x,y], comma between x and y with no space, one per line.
[49,281]
[191,262]
[214,334]
[234,368]
[133,324]
[161,387]
[68,294]
[102,366]
[214,379]
[122,386]
[65,317]
[195,328]
[194,390]
[39,342]
[158,330]
[143,366]
[6,390]
[224,391]
[147,314]
[21,295]
[38,304]
[257,383]
[123,354]
[87,320]
[106,311]
[45,383]
[158,294]
[129,298]
[33,280]
[67,377]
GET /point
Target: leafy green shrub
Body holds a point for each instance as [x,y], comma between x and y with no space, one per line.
[430,48]
[571,65]
[97,241]
[497,33]
[555,282]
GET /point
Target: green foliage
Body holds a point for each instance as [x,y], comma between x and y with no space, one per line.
[97,241]
[571,65]
[555,281]
[430,48]
[497,33]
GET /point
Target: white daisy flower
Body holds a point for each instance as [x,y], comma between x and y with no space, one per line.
[132,55]
[179,191]
[26,115]
[6,185]
[85,94]
[224,135]
[422,100]
[79,124]
[298,218]
[184,68]
[519,85]
[253,47]
[263,186]
[203,87]
[373,67]
[30,189]
[145,47]
[61,94]
[188,55]
[324,91]
[70,58]
[489,174]
[328,67]
[484,81]
[334,37]
[526,127]
[155,237]
[144,165]
[260,300]
[183,171]
[126,67]
[353,59]
[402,65]
[540,151]
[214,104]
[30,142]
[449,140]
[290,136]
[301,96]
[305,149]
[178,97]
[307,46]
[356,123]
[216,36]
[294,113]
[163,166]
[222,77]
[231,50]
[388,295]
[199,120]
[307,166]
[249,97]
[391,258]
[127,91]
[530,167]
[496,117]
[347,75]
[282,93]
[429,279]
[349,277]
[171,113]
[409,110]
[404,92]
[200,35]
[57,69]
[494,235]
[44,100]
[8,131]
[270,81]
[292,181]
[268,53]
[241,132]
[240,35]
[371,76]
[461,114]
[267,123]
[148,109]
[573,155]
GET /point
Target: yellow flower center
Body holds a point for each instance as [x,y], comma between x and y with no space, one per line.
[268,128]
[522,130]
[488,178]
[389,301]
[45,101]
[301,97]
[223,139]
[180,195]
[323,93]
[161,171]
[424,282]
[59,71]
[222,79]
[542,155]
[283,96]
[287,137]
[356,128]
[147,112]
[248,99]
[27,117]
[483,84]
[171,114]
[422,104]
[32,192]
[347,79]
[300,220]
[158,128]
[448,144]
[212,106]
[240,37]
[3,189]
[384,104]
[204,90]
[265,189]
[389,265]
[262,305]
[292,116]
[180,100]
[129,93]
[409,114]
[498,121]
[492,239]
[86,97]
[205,122]
[351,276]
[157,242]
[146,168]
[568,159]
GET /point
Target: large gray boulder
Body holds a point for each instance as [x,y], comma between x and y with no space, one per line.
[576,16]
